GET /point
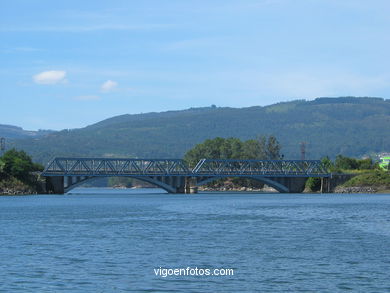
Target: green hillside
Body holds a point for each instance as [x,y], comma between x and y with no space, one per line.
[15,132]
[330,126]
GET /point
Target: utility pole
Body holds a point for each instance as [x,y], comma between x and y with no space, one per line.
[303,150]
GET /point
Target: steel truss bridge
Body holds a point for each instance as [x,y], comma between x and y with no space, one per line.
[175,176]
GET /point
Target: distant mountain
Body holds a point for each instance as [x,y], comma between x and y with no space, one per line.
[329,126]
[15,132]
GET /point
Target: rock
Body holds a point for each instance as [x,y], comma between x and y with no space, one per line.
[355,189]
[16,191]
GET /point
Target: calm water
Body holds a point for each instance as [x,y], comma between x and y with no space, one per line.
[102,240]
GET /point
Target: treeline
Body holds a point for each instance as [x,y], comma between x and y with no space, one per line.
[263,148]
[233,148]
[343,163]
[17,172]
[370,173]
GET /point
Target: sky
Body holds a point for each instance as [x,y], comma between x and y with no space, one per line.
[69,64]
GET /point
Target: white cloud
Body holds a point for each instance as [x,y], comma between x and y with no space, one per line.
[50,77]
[87,98]
[108,86]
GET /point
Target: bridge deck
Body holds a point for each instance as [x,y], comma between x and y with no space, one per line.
[177,167]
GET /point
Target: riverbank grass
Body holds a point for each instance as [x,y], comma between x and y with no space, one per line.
[378,179]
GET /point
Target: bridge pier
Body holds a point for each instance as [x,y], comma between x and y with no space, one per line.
[55,184]
[184,184]
[293,184]
[62,184]
[172,184]
[190,186]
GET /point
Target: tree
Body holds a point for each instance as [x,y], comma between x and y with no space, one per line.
[2,165]
[366,164]
[273,148]
[346,163]
[327,163]
[19,165]
[234,148]
[252,149]
[313,183]
[209,149]
[270,147]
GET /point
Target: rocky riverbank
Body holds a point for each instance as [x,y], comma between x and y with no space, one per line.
[17,190]
[228,188]
[338,189]
[356,189]
[13,186]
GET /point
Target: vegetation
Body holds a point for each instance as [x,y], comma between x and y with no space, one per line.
[120,182]
[313,184]
[352,127]
[16,171]
[371,175]
[346,163]
[377,178]
[234,148]
[10,131]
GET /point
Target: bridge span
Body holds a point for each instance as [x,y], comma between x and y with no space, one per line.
[175,176]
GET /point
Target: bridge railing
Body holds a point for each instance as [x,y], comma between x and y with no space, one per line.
[177,167]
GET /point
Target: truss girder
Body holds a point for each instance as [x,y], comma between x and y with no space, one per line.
[282,168]
[177,167]
[115,167]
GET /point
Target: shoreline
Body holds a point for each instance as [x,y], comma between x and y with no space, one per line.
[16,192]
[27,190]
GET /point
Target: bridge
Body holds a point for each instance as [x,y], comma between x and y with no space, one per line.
[175,176]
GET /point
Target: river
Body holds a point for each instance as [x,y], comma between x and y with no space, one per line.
[107,240]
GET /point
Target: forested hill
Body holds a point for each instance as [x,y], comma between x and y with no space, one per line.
[329,126]
[10,131]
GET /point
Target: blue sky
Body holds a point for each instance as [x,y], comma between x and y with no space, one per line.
[68,64]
